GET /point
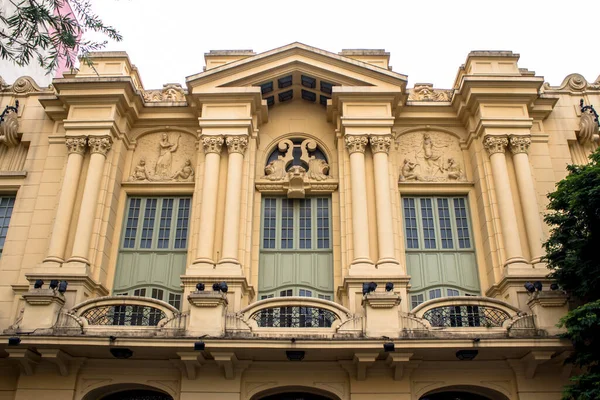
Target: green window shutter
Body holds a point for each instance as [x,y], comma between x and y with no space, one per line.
[439,253]
[153,249]
[296,251]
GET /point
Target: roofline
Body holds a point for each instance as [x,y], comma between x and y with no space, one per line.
[292,46]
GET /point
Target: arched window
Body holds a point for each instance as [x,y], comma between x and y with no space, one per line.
[138,395]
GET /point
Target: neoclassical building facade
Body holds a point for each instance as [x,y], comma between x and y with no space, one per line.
[295,224]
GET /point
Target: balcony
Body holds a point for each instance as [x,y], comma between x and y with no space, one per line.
[290,317]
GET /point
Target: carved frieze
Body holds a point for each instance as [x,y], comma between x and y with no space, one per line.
[589,129]
[426,92]
[430,157]
[164,157]
[22,85]
[171,92]
[9,126]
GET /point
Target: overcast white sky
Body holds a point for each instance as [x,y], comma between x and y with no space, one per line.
[428,40]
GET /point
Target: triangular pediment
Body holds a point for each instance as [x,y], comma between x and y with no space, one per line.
[296,71]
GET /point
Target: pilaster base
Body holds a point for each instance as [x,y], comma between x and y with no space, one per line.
[361,267]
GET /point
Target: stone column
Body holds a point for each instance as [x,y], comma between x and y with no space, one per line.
[495,146]
[380,146]
[356,145]
[99,147]
[60,231]
[210,185]
[236,147]
[519,145]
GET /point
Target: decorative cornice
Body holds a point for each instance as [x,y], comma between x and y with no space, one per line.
[100,144]
[76,144]
[236,144]
[381,143]
[519,144]
[212,144]
[495,144]
[356,143]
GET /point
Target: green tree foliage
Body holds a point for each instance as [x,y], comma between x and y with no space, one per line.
[573,254]
[38,31]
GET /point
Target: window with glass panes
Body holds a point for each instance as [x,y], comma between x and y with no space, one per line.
[440,255]
[153,248]
[7,204]
[296,247]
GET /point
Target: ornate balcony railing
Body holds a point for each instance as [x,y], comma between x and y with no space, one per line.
[466,316]
[295,317]
[467,312]
[302,314]
[122,313]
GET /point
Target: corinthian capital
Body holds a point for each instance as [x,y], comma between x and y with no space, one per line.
[356,143]
[76,144]
[381,143]
[519,144]
[212,144]
[495,144]
[236,144]
[100,144]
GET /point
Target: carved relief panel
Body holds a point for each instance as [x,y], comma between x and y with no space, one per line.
[296,167]
[164,157]
[430,156]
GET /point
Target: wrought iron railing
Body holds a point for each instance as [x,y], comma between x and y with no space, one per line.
[295,317]
[124,315]
[466,316]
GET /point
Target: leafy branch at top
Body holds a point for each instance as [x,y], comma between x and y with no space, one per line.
[45,31]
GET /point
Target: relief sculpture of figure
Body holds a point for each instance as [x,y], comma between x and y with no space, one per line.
[408,171]
[165,158]
[317,169]
[275,171]
[186,173]
[454,171]
[140,173]
[431,156]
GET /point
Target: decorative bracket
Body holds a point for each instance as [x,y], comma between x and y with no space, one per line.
[534,359]
[26,358]
[227,361]
[398,361]
[188,362]
[363,361]
[61,359]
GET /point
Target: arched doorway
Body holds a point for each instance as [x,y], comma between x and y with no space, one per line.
[137,395]
[463,393]
[127,391]
[454,396]
[295,396]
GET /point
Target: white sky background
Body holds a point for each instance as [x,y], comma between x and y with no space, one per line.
[428,40]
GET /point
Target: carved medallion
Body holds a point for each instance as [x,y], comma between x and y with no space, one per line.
[430,157]
[426,92]
[172,92]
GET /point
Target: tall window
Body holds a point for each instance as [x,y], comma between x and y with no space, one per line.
[439,248]
[296,250]
[6,207]
[153,248]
